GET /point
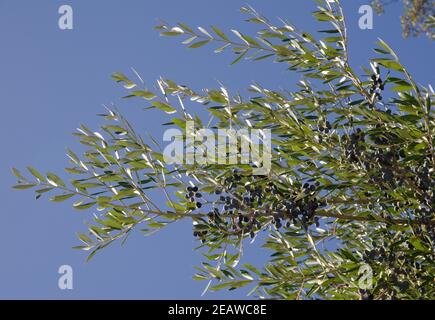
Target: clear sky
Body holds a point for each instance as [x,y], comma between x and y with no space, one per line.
[53,80]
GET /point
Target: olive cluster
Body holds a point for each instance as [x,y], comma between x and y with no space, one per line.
[286,207]
[323,127]
[247,223]
[384,161]
[399,268]
[426,183]
[299,210]
[377,85]
[233,210]
[372,157]
[379,161]
[200,234]
[395,174]
[232,180]
[245,204]
[194,196]
[355,146]
[380,254]
[237,220]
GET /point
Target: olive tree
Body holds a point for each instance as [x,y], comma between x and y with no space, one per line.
[347,207]
[418,16]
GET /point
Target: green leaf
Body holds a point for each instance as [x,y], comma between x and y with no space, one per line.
[110,223]
[92,254]
[62,198]
[240,57]
[200,277]
[44,190]
[220,49]
[119,77]
[24,186]
[84,238]
[330,31]
[199,44]
[73,157]
[418,244]
[128,84]
[428,104]
[220,33]
[148,95]
[157,225]
[54,180]
[248,40]
[36,174]
[390,64]
[401,88]
[18,174]
[75,171]
[231,285]
[83,206]
[170,33]
[384,45]
[164,107]
[185,27]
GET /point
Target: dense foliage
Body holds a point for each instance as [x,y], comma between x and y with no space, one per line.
[351,186]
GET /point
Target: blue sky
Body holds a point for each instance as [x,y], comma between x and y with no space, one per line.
[53,80]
